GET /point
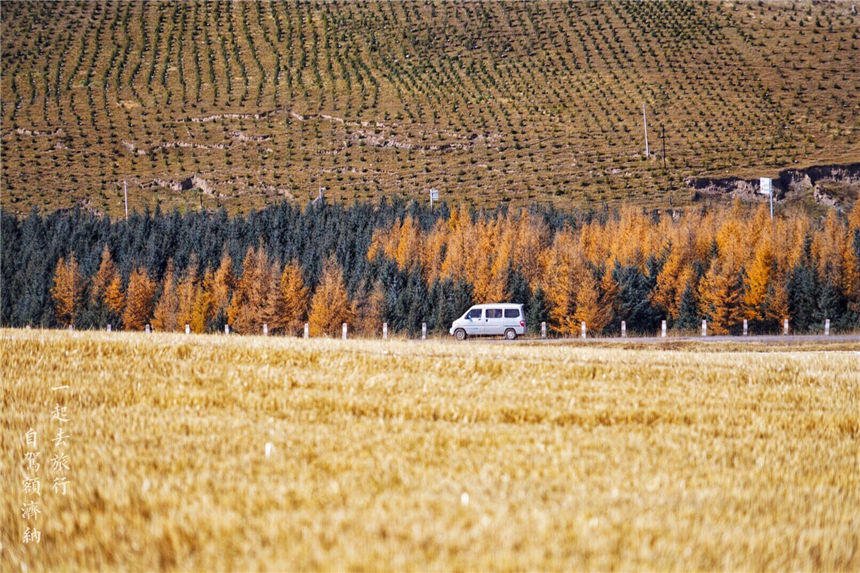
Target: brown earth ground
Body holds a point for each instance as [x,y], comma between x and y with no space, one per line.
[203,105]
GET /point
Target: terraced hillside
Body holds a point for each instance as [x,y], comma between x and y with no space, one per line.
[240,104]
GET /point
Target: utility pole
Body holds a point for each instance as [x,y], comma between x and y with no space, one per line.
[771,204]
[125,192]
[319,197]
[645,122]
[663,137]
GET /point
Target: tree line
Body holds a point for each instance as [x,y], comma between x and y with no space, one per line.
[404,264]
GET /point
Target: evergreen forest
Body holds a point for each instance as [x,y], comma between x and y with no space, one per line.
[404,264]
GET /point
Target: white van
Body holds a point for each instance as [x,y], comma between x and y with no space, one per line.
[502,319]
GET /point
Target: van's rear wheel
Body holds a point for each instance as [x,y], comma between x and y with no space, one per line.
[460,334]
[511,334]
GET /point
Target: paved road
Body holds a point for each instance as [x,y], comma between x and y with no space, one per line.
[792,339]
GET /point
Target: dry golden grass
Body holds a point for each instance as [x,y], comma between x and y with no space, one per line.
[431,456]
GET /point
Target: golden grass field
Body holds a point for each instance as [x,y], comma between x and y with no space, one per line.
[431,456]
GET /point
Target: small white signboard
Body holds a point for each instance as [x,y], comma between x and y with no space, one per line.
[765,186]
[434,194]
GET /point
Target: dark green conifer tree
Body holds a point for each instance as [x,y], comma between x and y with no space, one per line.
[830,304]
[633,302]
[802,297]
[518,288]
[538,311]
[688,315]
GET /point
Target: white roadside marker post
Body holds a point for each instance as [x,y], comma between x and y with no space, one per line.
[704,328]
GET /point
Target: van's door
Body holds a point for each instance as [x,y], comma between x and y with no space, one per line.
[494,323]
[474,322]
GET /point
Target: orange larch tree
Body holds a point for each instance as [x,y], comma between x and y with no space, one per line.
[533,238]
[408,244]
[291,303]
[829,245]
[562,270]
[106,295]
[115,297]
[221,287]
[165,318]
[103,277]
[186,292]
[68,290]
[138,300]
[720,296]
[330,306]
[252,303]
[489,270]
[777,298]
[461,252]
[594,302]
[433,252]
[758,282]
[369,309]
[201,310]
[675,274]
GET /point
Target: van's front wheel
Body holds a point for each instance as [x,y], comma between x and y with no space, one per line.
[511,334]
[460,334]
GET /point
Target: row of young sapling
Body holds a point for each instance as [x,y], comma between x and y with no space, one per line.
[424,82]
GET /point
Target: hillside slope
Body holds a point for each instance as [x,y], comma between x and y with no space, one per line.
[241,104]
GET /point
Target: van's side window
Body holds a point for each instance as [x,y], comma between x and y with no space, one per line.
[512,313]
[494,313]
[474,313]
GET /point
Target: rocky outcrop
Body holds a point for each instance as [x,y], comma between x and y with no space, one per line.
[133,148]
[193,182]
[245,137]
[38,133]
[202,184]
[811,176]
[172,185]
[813,179]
